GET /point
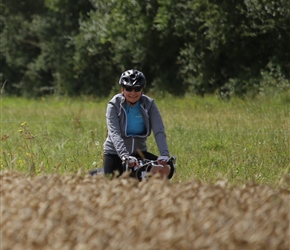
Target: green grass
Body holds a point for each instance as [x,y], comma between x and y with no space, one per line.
[238,140]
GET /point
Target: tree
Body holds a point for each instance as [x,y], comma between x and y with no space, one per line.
[195,46]
[226,40]
[120,35]
[37,45]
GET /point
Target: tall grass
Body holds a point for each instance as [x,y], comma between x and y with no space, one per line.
[239,140]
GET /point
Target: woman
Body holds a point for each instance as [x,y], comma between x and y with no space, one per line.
[130,117]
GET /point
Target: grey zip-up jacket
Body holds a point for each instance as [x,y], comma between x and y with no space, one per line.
[118,142]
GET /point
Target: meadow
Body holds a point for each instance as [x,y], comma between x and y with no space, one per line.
[231,189]
[240,140]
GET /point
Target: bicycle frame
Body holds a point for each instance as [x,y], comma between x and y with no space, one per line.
[142,171]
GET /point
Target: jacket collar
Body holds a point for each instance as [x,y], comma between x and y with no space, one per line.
[123,101]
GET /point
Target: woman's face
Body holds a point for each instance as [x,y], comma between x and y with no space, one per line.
[132,94]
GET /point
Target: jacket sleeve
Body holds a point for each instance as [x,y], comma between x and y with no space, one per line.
[114,130]
[158,129]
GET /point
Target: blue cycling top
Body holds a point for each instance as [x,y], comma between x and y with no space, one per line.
[135,121]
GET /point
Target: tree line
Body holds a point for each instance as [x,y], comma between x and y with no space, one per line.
[81,47]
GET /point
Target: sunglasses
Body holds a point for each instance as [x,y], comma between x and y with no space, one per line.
[130,89]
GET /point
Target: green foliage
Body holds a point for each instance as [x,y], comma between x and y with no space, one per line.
[37,47]
[82,47]
[224,41]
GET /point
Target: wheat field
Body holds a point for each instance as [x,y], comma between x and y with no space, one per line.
[84,212]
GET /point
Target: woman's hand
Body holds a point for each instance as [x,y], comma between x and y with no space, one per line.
[162,160]
[131,160]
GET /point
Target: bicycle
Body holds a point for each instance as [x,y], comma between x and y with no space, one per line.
[146,168]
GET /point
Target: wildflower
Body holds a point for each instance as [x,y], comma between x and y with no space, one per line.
[23,124]
[20,130]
